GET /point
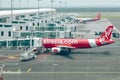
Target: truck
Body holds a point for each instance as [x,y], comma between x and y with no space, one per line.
[28,55]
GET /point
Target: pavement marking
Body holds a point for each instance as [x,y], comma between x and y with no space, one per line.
[11,64]
[75,72]
[11,72]
[11,57]
[55,64]
[62,72]
[30,69]
[19,70]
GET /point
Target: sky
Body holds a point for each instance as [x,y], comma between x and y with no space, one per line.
[60,3]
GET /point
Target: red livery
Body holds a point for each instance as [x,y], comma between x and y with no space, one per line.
[59,45]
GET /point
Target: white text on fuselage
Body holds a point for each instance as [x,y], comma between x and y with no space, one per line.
[60,41]
[106,34]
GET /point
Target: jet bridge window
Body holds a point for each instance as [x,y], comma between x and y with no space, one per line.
[3,43]
[17,17]
[26,19]
[1,25]
[26,28]
[15,22]
[2,33]
[32,14]
[21,27]
[22,16]
[22,22]
[7,25]
[9,33]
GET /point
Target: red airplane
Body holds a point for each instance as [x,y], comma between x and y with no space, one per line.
[84,20]
[66,45]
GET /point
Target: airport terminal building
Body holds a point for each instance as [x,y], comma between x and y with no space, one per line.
[20,23]
[33,23]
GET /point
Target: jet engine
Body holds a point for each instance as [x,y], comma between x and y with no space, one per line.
[56,50]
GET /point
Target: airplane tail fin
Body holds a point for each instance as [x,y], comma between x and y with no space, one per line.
[98,16]
[107,34]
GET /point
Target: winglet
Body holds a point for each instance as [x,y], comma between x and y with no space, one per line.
[98,16]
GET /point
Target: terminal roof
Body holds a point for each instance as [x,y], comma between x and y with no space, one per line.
[14,12]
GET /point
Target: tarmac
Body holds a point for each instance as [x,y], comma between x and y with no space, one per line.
[100,63]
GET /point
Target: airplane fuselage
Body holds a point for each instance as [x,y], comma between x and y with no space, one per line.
[73,43]
[58,45]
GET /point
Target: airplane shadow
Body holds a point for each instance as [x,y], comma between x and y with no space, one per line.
[104,52]
[67,56]
[70,56]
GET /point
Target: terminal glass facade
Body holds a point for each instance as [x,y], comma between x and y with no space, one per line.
[17,43]
[44,32]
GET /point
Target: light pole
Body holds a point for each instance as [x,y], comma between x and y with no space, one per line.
[60,4]
[38,7]
[65,4]
[0,3]
[52,3]
[27,3]
[31,34]
[19,3]
[11,10]
[38,13]
[12,16]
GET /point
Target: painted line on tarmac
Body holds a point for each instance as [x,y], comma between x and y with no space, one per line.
[10,64]
[74,72]
[62,72]
[12,57]
[29,70]
[12,72]
[19,70]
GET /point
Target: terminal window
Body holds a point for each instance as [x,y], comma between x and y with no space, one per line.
[1,25]
[27,28]
[20,27]
[9,33]
[2,33]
